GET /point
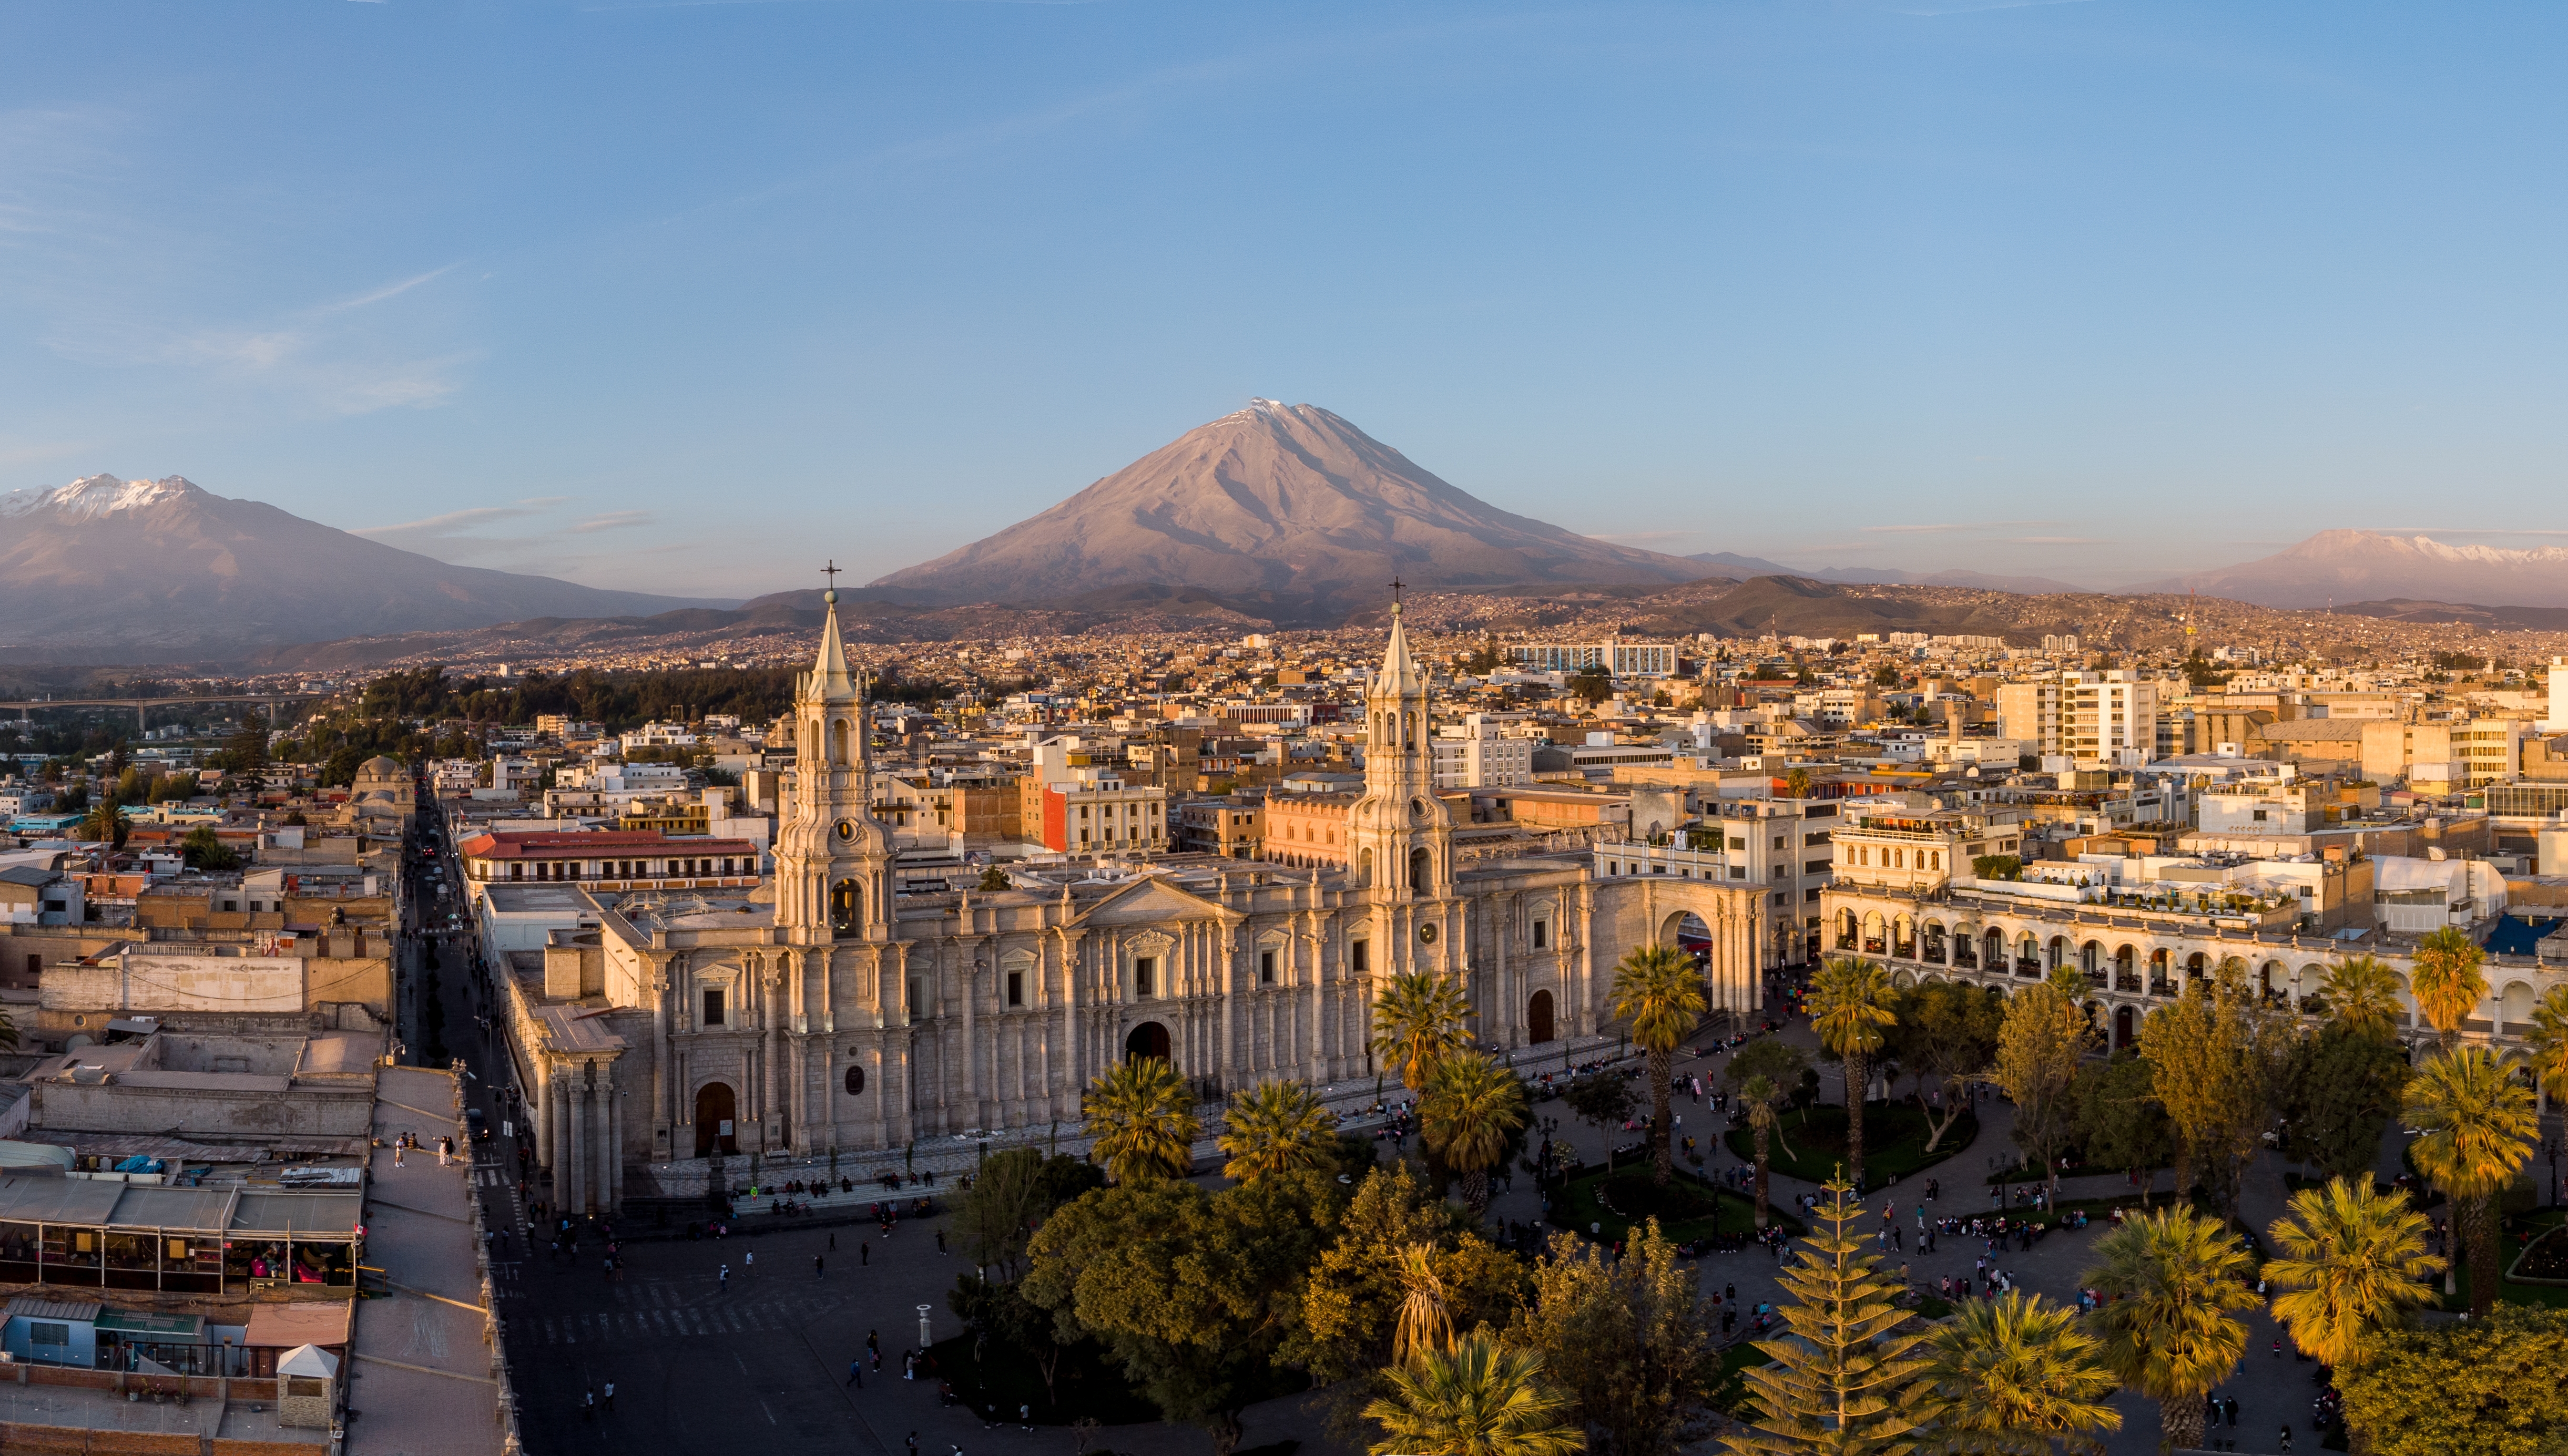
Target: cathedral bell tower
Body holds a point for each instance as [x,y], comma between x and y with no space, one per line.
[832,857]
[1399,835]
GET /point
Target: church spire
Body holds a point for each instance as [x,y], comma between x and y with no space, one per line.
[829,676]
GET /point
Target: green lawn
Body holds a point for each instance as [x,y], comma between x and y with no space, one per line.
[1729,1390]
[1812,1144]
[1686,1209]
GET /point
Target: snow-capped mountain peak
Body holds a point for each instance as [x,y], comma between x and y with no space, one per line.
[96,495]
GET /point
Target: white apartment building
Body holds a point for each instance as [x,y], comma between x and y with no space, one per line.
[1614,654]
[1472,754]
[2106,718]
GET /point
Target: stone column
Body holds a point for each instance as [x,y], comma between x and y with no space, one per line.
[571,1175]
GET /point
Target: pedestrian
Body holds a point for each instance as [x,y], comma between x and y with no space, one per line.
[2287,1435]
[749,1263]
[443,1146]
[941,1241]
[856,1372]
[833,1240]
[725,1277]
[864,1253]
[588,1405]
[397,1154]
[610,1397]
[914,1437]
[815,1265]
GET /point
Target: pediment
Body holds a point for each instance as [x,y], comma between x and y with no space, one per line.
[1148,901]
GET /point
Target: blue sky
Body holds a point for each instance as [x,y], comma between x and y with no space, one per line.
[676,296]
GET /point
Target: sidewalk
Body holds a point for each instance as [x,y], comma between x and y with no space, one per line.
[426,1380]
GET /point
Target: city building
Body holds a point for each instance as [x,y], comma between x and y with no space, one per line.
[1474,754]
[1614,654]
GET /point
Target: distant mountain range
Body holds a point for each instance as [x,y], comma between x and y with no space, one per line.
[105,570]
[2369,566]
[1733,564]
[1288,506]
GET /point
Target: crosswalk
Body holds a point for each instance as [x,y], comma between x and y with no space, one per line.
[677,1322]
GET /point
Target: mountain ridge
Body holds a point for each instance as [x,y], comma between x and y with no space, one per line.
[1287,500]
[2347,564]
[105,570]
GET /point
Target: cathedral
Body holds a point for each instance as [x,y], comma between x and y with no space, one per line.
[845,1015]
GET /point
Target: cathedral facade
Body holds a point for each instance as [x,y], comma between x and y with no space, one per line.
[849,1017]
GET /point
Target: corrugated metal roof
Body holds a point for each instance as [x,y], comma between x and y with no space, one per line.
[33,1307]
[296,1213]
[146,1206]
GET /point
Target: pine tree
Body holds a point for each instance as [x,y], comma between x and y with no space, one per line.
[1843,1382]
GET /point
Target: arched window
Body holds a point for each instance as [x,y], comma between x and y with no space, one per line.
[1422,873]
[847,908]
[838,741]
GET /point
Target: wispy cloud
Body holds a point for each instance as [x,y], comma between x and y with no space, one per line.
[2057,541]
[613,521]
[457,522]
[393,290]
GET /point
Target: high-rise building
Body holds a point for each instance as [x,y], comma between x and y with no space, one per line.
[2107,717]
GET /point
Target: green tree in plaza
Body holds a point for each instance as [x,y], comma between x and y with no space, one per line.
[1193,1293]
[1276,1127]
[1418,1019]
[1465,1116]
[2040,1045]
[1144,1120]
[2340,1087]
[1603,1101]
[2216,1056]
[2120,1122]
[1658,990]
[1845,1376]
[2351,1262]
[2545,1043]
[2491,1385]
[2362,994]
[1850,1009]
[2479,1127]
[2170,1329]
[2449,981]
[1010,1196]
[1627,1339]
[1363,1282]
[1944,1033]
[1761,1095]
[1475,1397]
[2014,1375]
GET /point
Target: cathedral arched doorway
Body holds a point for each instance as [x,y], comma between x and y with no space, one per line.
[716,1111]
[1539,1018]
[1148,1040]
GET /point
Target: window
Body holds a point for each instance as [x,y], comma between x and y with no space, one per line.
[855,1080]
[1738,872]
[1266,967]
[1738,843]
[1144,970]
[1016,987]
[1541,934]
[713,1006]
[1359,956]
[42,1332]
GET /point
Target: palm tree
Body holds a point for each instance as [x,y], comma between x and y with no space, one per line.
[1469,1107]
[1425,1326]
[2013,1374]
[2170,1334]
[1658,988]
[1416,1021]
[2447,981]
[2361,993]
[2352,1262]
[1477,1399]
[1144,1120]
[1761,1095]
[1276,1127]
[2547,1045]
[1850,1005]
[2479,1128]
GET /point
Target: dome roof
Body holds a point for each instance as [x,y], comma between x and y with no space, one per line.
[381,767]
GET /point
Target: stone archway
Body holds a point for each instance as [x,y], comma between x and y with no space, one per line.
[2124,1028]
[716,1111]
[1690,933]
[1147,1039]
[1539,1018]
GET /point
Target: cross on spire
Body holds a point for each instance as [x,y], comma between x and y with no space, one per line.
[832,571]
[1396,585]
